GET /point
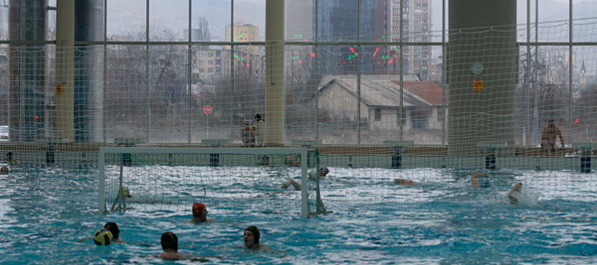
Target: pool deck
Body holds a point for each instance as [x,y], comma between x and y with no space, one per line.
[385,156]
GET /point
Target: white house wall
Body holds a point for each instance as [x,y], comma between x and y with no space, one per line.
[389,119]
[340,103]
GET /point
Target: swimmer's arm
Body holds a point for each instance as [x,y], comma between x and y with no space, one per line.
[474,181]
[515,188]
[513,199]
[292,182]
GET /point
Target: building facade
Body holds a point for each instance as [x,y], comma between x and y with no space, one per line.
[416,23]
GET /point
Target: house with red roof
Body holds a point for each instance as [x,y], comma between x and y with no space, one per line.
[380,107]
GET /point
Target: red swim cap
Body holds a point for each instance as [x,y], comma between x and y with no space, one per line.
[198,209]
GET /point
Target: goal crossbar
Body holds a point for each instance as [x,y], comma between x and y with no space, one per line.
[303,152]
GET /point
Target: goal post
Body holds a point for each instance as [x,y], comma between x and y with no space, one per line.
[154,177]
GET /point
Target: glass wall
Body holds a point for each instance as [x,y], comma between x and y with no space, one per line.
[355,71]
[131,13]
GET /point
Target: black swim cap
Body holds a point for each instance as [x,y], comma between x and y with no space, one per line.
[255,231]
[113,228]
[169,241]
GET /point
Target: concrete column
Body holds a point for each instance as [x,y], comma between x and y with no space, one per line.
[65,54]
[27,97]
[89,79]
[274,66]
[482,47]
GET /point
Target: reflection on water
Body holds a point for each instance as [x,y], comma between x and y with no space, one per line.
[440,220]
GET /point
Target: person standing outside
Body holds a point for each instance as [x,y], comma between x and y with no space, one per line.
[549,136]
[248,135]
[259,130]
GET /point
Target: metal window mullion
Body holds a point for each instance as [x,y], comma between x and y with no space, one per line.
[190,73]
[232,47]
[401,71]
[105,68]
[316,38]
[535,79]
[444,72]
[570,74]
[147,72]
[528,75]
[359,73]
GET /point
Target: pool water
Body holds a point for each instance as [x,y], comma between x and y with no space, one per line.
[45,213]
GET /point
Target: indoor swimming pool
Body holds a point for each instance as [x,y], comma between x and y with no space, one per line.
[48,214]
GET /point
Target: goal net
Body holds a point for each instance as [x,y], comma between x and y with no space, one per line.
[224,179]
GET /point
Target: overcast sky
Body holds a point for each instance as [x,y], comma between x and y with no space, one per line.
[129,15]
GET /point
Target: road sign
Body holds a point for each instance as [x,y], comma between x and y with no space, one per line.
[207,109]
[478,85]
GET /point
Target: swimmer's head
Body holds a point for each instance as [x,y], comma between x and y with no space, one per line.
[199,211]
[113,228]
[324,171]
[4,170]
[169,241]
[484,184]
[251,236]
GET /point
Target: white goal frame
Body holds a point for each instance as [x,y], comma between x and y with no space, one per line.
[241,151]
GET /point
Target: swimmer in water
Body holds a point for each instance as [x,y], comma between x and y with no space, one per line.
[514,192]
[4,170]
[169,242]
[406,182]
[322,172]
[113,227]
[10,159]
[126,192]
[199,214]
[251,237]
[476,184]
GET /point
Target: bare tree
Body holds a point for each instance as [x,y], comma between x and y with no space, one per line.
[552,89]
[125,85]
[168,83]
[202,30]
[300,90]
[132,95]
[586,112]
[243,96]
